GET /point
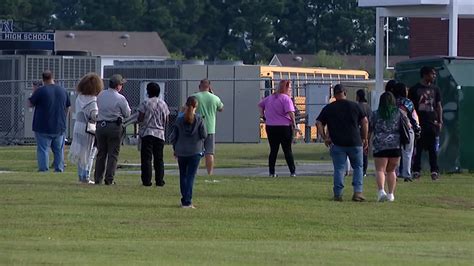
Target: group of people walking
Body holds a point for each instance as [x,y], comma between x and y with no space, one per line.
[98,130]
[403,118]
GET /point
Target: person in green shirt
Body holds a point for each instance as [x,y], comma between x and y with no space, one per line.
[209,105]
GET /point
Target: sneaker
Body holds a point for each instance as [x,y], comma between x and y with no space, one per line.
[382,196]
[293,175]
[407,179]
[434,176]
[160,184]
[273,175]
[416,175]
[390,197]
[338,198]
[108,183]
[358,197]
[188,206]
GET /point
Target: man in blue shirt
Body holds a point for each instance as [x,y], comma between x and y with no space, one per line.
[51,104]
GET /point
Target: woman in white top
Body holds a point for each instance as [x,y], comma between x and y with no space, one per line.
[82,148]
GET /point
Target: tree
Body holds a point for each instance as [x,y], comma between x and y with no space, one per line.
[249,30]
[325,59]
[28,15]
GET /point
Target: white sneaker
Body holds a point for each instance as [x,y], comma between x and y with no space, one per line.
[188,206]
[390,197]
[382,196]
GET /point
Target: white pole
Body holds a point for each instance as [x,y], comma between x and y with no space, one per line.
[387,42]
[379,66]
[453,28]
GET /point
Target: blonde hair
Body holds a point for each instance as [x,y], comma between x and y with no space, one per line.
[284,84]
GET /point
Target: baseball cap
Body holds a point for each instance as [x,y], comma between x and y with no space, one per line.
[116,79]
[338,89]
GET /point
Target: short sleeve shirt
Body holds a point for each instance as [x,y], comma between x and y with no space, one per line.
[50,102]
[156,113]
[425,99]
[386,133]
[208,105]
[342,118]
[276,108]
[112,105]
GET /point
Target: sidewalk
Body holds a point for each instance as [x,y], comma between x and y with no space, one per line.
[308,169]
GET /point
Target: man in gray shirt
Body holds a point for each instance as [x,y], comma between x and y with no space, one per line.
[113,109]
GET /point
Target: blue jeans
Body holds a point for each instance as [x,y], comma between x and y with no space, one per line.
[83,174]
[405,161]
[339,156]
[56,143]
[187,172]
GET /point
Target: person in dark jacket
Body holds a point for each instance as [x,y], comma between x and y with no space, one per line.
[360,97]
[187,136]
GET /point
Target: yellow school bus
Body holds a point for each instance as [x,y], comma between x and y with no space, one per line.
[299,76]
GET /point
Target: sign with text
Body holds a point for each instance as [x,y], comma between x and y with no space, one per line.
[26,40]
[27,36]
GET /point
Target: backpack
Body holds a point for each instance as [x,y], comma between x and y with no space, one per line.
[404,130]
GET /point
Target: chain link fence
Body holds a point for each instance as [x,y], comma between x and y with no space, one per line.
[238,123]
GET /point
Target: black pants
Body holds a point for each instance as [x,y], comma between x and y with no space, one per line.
[280,135]
[109,138]
[152,147]
[426,142]
[366,162]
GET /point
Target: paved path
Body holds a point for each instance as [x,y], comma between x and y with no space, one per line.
[310,169]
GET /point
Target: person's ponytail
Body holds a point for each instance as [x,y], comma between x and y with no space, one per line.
[191,103]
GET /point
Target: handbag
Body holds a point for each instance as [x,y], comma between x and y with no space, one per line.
[91,127]
[404,130]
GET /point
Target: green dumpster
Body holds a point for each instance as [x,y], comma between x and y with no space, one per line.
[456,81]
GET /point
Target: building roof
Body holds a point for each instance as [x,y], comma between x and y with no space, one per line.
[362,62]
[112,43]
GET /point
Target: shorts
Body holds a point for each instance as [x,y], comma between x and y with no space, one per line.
[209,144]
[392,153]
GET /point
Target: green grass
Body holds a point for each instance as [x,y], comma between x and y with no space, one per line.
[23,158]
[49,219]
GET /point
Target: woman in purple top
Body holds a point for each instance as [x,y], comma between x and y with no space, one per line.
[278,112]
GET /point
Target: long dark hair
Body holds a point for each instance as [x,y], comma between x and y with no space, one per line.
[191,103]
[390,85]
[387,106]
[361,96]
[400,90]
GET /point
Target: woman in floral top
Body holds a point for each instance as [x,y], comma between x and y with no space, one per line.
[386,145]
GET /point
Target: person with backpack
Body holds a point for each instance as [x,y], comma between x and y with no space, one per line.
[386,124]
[408,109]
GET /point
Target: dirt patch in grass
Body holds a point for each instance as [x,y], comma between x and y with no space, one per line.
[456,202]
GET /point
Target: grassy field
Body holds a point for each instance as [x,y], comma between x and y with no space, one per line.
[50,219]
[23,158]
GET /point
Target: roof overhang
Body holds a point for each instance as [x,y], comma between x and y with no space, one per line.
[382,3]
[420,8]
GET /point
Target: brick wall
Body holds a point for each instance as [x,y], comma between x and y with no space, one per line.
[429,36]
